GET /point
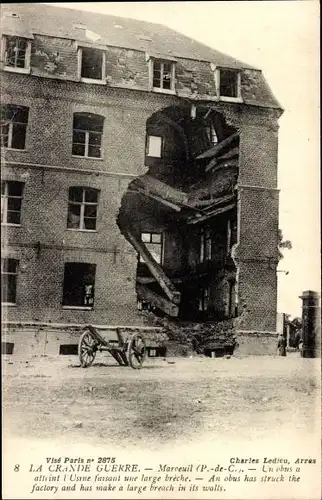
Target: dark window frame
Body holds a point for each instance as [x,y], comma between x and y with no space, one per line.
[9,280]
[98,72]
[153,235]
[19,60]
[79,285]
[206,244]
[162,78]
[229,81]
[87,127]
[8,199]
[204,299]
[83,205]
[14,123]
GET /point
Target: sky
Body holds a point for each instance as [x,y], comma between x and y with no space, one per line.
[282,39]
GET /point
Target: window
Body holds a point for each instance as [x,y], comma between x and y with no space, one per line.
[82,208]
[163,75]
[205,244]
[211,133]
[91,65]
[229,83]
[14,120]
[11,201]
[79,281]
[153,242]
[87,135]
[154,146]
[17,53]
[204,299]
[9,271]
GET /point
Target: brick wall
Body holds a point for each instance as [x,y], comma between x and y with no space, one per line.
[43,244]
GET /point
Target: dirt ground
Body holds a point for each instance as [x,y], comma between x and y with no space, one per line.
[165,402]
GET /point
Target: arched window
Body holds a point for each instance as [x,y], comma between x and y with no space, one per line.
[87,135]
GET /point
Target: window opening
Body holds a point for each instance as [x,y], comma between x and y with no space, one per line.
[9,272]
[154,243]
[154,146]
[79,282]
[163,75]
[92,63]
[16,52]
[87,135]
[14,121]
[228,85]
[204,300]
[205,244]
[211,133]
[11,201]
[82,208]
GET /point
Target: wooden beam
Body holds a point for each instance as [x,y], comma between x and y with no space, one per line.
[218,211]
[217,160]
[213,202]
[144,293]
[219,147]
[155,268]
[143,280]
[214,165]
[161,189]
[230,154]
[156,198]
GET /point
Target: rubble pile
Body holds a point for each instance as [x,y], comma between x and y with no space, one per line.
[201,337]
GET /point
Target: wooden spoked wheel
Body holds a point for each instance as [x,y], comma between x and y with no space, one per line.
[87,349]
[136,351]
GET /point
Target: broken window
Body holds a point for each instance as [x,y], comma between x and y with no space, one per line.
[11,201]
[163,75]
[79,282]
[228,83]
[9,271]
[14,121]
[82,208]
[153,242]
[87,135]
[154,146]
[205,244]
[92,64]
[17,52]
[204,299]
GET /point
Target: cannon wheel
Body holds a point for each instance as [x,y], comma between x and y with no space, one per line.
[87,348]
[136,351]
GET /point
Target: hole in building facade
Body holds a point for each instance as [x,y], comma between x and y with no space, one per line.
[181,216]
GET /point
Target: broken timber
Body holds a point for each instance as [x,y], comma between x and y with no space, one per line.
[156,270]
[144,293]
[154,186]
[164,202]
[219,147]
[215,165]
[212,214]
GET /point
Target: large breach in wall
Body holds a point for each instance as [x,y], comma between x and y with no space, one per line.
[181,216]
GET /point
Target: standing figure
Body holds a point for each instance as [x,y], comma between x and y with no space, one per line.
[281,345]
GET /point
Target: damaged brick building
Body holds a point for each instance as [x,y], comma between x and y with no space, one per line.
[139,172]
